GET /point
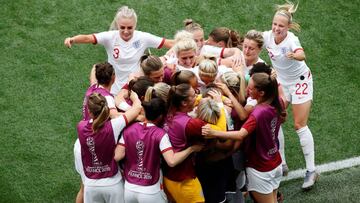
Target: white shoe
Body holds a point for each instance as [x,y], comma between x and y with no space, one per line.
[310,179]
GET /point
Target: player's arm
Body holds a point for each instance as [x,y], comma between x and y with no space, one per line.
[169,43]
[232,135]
[79,39]
[298,55]
[119,153]
[173,159]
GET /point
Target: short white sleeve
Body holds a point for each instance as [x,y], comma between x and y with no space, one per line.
[295,43]
[105,38]
[212,50]
[251,102]
[165,143]
[118,124]
[152,40]
[266,36]
[110,102]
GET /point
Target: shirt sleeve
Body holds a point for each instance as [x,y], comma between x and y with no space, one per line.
[103,38]
[250,124]
[118,124]
[165,144]
[110,102]
[266,36]
[153,41]
[193,127]
[295,44]
[212,50]
[251,102]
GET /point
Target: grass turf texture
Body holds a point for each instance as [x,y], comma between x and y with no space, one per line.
[43,82]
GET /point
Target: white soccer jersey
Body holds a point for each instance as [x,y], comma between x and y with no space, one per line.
[218,52]
[125,56]
[288,70]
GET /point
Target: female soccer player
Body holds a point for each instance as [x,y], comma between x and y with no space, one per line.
[287,57]
[98,136]
[124,46]
[142,145]
[259,134]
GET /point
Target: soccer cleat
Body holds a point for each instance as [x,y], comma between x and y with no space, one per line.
[310,179]
[285,169]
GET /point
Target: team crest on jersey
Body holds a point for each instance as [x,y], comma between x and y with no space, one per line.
[136,44]
[283,50]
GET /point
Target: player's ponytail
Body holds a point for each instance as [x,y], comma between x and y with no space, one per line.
[99,110]
[287,10]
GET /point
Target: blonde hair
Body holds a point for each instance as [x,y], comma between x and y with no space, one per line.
[123,12]
[208,111]
[182,34]
[191,26]
[236,83]
[99,109]
[255,36]
[287,10]
[160,90]
[185,44]
[208,68]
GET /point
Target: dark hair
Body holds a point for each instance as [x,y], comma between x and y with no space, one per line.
[104,73]
[150,63]
[177,95]
[182,76]
[260,68]
[99,109]
[231,38]
[140,85]
[269,85]
[155,108]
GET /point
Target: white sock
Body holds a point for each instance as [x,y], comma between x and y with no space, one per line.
[307,145]
[282,145]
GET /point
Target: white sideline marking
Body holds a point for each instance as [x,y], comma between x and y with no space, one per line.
[332,166]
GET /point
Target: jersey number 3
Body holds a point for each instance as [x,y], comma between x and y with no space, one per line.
[116,53]
[301,89]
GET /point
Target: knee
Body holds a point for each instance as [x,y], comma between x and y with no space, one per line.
[298,125]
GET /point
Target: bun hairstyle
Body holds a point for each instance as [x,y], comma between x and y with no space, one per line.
[154,108]
[99,109]
[287,10]
[123,12]
[191,26]
[104,73]
[231,38]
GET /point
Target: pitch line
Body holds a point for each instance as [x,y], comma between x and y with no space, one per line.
[332,166]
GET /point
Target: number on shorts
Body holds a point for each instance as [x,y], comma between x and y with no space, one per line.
[116,53]
[301,88]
